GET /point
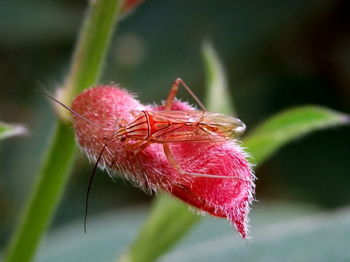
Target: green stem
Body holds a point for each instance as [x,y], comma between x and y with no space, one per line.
[46,195]
[91,48]
[84,71]
[169,220]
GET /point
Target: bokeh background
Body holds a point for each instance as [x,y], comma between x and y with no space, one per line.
[277,54]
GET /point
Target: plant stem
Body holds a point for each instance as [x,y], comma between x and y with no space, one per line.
[84,71]
[169,221]
[91,48]
[45,196]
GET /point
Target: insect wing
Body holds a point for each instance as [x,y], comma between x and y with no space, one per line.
[181,126]
[177,116]
[188,134]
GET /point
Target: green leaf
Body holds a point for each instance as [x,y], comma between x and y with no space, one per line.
[109,233]
[7,130]
[282,231]
[288,126]
[218,98]
[318,237]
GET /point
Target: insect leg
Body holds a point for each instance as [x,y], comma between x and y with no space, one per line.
[172,94]
[137,147]
[179,169]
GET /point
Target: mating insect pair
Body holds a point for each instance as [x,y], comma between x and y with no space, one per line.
[168,126]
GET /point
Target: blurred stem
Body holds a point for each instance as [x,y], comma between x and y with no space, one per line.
[84,71]
[218,97]
[169,220]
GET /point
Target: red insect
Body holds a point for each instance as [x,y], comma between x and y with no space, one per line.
[172,126]
[169,126]
[177,126]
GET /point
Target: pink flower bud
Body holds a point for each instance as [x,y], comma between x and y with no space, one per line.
[110,107]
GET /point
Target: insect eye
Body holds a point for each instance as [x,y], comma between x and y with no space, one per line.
[122,139]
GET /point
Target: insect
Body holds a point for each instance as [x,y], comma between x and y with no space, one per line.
[169,126]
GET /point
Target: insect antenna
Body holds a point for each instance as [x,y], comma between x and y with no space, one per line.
[72,111]
[191,93]
[92,178]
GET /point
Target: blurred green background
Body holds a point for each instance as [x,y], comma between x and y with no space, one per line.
[277,54]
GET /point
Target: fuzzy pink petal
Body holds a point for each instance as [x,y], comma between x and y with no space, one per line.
[109,107]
